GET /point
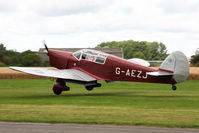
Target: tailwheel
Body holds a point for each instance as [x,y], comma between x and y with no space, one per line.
[89,88]
[174,87]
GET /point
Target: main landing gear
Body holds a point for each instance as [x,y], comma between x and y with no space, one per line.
[60,86]
[90,88]
[174,87]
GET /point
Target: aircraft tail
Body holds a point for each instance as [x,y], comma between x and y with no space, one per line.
[176,63]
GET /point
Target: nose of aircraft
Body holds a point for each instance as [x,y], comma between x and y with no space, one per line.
[58,59]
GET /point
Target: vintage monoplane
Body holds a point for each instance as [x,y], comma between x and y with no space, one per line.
[86,66]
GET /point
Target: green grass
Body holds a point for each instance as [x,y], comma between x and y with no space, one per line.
[116,103]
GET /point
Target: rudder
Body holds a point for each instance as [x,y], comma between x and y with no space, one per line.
[177,63]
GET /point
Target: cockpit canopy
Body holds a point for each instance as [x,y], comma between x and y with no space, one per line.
[90,55]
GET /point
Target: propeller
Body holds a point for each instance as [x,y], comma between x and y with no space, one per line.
[45,46]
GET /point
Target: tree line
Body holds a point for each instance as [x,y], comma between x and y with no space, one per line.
[131,49]
[138,49]
[14,58]
[144,50]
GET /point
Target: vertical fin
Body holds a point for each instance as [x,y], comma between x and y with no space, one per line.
[177,63]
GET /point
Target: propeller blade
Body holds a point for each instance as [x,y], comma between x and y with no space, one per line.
[45,46]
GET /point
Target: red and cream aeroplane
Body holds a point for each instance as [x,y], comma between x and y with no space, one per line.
[87,66]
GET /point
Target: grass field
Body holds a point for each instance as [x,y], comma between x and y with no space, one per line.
[117,103]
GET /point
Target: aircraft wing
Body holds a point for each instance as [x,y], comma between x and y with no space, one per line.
[71,74]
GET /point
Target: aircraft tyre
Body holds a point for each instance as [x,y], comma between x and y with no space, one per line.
[60,86]
[174,87]
[57,91]
[89,88]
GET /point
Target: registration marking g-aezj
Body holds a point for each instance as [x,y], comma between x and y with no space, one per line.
[131,73]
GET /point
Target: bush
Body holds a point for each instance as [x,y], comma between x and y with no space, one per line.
[195,60]
[2,64]
[31,59]
[46,64]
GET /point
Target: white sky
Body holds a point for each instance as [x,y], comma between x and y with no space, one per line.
[24,24]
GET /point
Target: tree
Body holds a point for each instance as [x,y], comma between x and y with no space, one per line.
[195,60]
[31,59]
[46,64]
[7,60]
[143,49]
[11,57]
[1,56]
[27,52]
[139,55]
[2,48]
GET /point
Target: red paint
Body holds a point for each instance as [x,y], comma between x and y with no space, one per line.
[58,59]
[114,69]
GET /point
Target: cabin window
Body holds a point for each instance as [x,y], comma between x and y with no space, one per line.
[91,55]
[100,60]
[83,56]
[77,55]
[88,57]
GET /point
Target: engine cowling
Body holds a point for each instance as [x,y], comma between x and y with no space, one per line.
[58,59]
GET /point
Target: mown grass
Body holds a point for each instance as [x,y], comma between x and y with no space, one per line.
[116,103]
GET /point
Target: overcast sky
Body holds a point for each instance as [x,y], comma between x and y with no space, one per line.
[24,24]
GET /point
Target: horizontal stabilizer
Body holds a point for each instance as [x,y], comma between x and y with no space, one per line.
[158,73]
[139,61]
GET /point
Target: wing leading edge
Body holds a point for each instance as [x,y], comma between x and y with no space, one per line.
[71,74]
